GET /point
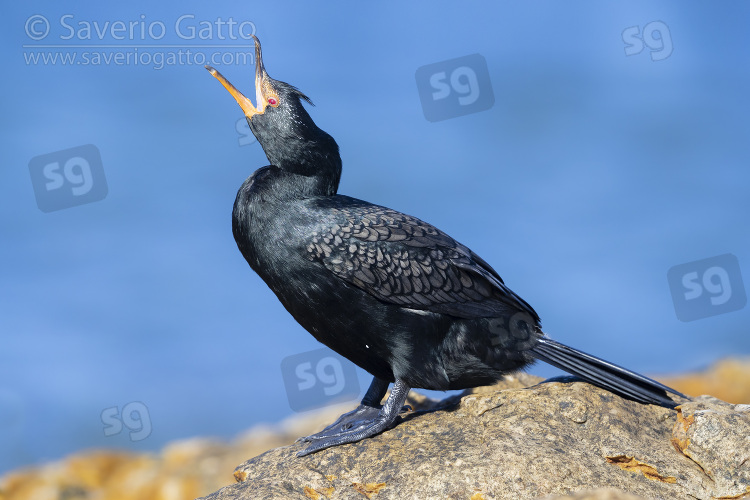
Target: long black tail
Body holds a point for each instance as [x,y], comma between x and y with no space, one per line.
[604,374]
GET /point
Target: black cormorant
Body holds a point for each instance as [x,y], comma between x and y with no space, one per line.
[390,292]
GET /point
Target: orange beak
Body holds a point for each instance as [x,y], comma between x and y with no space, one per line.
[263,88]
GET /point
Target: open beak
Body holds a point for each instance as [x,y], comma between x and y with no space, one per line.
[263,89]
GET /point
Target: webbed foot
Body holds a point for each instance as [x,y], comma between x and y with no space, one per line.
[344,423]
[363,422]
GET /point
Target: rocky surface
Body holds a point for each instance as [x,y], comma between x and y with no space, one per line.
[182,470]
[597,494]
[554,437]
[520,439]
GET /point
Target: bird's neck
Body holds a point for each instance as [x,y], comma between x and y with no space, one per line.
[305,166]
[268,192]
[288,183]
[274,184]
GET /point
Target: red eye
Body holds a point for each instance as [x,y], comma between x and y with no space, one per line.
[273,102]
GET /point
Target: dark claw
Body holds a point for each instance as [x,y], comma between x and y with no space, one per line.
[363,422]
[344,423]
[362,430]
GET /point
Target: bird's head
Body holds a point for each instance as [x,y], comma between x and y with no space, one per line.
[284,129]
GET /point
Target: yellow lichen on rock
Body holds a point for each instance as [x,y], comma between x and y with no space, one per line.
[634,465]
[368,489]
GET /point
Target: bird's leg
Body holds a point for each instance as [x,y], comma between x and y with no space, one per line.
[367,410]
[376,391]
[362,428]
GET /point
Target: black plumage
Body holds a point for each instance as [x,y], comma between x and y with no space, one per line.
[402,260]
[390,292]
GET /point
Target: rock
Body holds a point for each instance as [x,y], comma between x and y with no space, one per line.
[184,469]
[716,436]
[598,494]
[553,438]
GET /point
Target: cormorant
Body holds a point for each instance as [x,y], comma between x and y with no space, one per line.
[393,294]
